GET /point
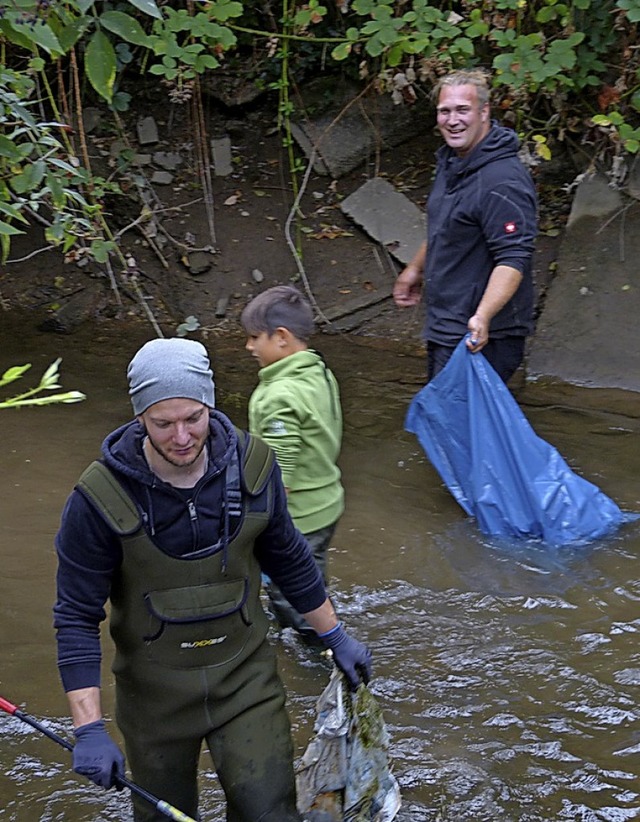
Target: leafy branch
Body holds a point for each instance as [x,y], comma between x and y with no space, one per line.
[48,382]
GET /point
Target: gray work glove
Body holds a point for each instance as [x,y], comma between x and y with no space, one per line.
[96,755]
[352,657]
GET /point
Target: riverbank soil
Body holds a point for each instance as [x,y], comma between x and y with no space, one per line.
[200,266]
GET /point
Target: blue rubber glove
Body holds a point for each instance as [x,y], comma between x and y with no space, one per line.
[352,657]
[96,755]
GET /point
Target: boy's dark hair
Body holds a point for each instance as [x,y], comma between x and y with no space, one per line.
[282,306]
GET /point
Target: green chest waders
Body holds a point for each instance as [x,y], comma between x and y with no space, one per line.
[178,614]
[191,655]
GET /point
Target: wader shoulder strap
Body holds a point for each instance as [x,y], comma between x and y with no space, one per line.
[257,462]
[109,497]
[116,506]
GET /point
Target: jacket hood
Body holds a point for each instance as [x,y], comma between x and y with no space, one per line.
[499,143]
[122,449]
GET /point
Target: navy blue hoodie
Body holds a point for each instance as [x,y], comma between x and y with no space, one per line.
[179,522]
[481,212]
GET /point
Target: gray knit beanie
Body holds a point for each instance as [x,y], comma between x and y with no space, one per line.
[166,369]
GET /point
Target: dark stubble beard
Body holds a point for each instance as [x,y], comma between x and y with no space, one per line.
[164,456]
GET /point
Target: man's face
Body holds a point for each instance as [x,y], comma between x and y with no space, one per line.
[462,122]
[177,430]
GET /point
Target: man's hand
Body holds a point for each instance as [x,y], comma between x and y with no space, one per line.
[352,657]
[502,285]
[96,755]
[478,333]
[407,289]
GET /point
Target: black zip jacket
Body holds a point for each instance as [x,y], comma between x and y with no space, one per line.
[481,213]
[179,522]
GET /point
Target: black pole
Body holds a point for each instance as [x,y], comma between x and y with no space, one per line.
[159,804]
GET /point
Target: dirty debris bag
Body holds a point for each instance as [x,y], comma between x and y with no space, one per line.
[514,483]
[344,774]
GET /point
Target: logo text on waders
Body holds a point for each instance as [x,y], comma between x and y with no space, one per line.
[202,643]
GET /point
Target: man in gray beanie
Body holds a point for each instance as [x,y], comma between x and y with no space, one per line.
[175,525]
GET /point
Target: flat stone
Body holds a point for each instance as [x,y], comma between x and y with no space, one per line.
[169,160]
[117,147]
[199,262]
[91,118]
[221,156]
[387,216]
[594,197]
[76,310]
[162,178]
[147,131]
[633,182]
[221,306]
[347,135]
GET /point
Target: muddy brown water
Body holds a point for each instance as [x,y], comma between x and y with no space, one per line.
[509,675]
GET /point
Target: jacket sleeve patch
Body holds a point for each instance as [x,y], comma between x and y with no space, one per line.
[277,428]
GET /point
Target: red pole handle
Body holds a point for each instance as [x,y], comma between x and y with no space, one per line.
[7,706]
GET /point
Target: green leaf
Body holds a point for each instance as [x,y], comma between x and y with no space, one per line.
[64,165]
[70,34]
[29,178]
[57,191]
[43,36]
[13,213]
[100,250]
[9,150]
[100,64]
[8,230]
[395,54]
[341,52]
[121,100]
[124,26]
[147,7]
[5,246]
[225,9]
[15,36]
[546,14]
[14,373]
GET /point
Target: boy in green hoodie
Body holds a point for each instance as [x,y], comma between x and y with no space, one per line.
[296,409]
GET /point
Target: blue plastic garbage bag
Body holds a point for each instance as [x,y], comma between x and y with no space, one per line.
[514,483]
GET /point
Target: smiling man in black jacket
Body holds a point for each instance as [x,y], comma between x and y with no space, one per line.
[174,526]
[481,227]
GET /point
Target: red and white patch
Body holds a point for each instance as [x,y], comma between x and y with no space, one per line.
[510,228]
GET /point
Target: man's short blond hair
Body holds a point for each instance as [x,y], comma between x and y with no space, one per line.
[465,77]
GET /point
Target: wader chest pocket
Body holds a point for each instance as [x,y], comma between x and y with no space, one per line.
[198,625]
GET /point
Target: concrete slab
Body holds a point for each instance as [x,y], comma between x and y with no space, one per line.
[168,160]
[221,156]
[587,333]
[147,131]
[162,178]
[633,181]
[594,197]
[354,129]
[388,217]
